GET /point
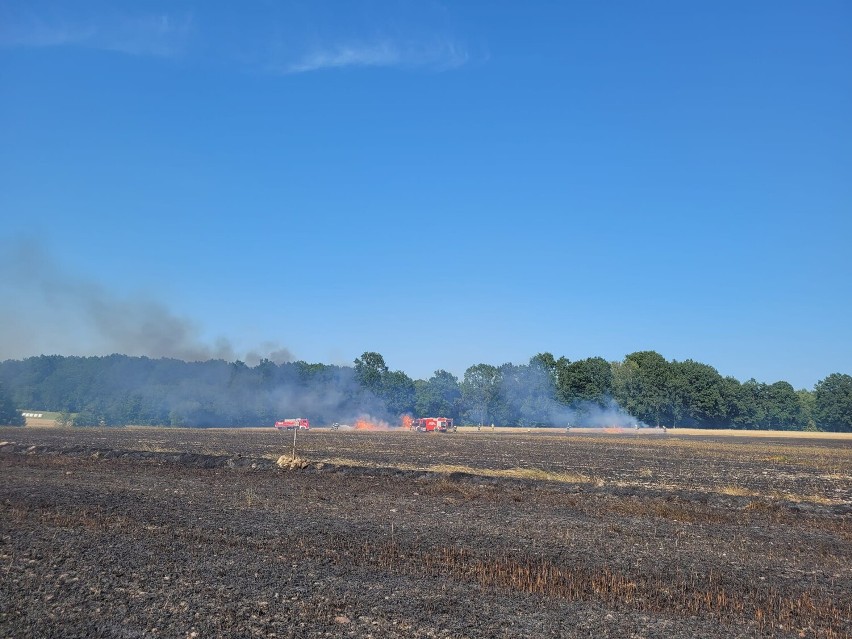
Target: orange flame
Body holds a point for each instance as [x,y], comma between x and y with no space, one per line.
[365,424]
[407,421]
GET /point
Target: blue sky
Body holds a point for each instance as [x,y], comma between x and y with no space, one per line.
[444,183]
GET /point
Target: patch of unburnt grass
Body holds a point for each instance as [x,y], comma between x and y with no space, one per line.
[737,491]
[532,474]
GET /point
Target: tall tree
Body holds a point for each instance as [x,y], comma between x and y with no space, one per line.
[730,390]
[751,405]
[625,385]
[547,362]
[439,396]
[833,403]
[398,393]
[9,415]
[695,395]
[784,410]
[481,392]
[538,405]
[587,380]
[649,386]
[806,401]
[370,370]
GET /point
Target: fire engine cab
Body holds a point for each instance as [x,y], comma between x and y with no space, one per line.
[426,424]
[292,424]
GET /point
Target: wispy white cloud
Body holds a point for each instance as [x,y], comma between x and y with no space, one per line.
[158,35]
[38,33]
[161,35]
[439,55]
[363,55]
[278,38]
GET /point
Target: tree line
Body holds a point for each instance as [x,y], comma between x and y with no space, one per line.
[642,389]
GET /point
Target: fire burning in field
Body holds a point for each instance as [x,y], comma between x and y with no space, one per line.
[364,423]
[369,423]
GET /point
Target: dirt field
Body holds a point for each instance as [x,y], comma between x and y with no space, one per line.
[191,533]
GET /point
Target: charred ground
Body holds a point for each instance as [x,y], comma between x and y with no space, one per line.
[143,532]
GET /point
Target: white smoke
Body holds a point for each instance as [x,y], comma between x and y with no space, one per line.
[530,395]
[607,414]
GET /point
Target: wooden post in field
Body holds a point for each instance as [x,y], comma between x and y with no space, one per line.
[295,430]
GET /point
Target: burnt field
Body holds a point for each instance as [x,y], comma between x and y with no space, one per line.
[191,533]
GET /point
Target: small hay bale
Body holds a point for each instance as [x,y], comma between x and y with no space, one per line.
[288,463]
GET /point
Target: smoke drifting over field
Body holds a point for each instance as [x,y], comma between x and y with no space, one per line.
[594,415]
[204,383]
[57,312]
[334,396]
[528,396]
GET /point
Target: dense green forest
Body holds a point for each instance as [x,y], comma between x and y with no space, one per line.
[644,388]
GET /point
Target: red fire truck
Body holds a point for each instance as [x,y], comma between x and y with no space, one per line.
[439,424]
[293,423]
